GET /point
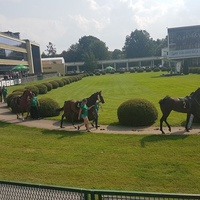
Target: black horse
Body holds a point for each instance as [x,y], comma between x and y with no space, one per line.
[71,108]
[189,105]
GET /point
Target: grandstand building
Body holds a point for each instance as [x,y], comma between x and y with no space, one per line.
[183,45]
[14,51]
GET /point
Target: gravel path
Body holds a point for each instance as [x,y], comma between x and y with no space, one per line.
[7,116]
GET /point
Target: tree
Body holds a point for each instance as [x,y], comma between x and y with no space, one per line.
[89,49]
[51,50]
[90,62]
[138,44]
[158,45]
[117,54]
[94,45]
[73,54]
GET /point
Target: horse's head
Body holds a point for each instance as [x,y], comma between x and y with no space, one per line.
[94,97]
[27,93]
[196,94]
[100,97]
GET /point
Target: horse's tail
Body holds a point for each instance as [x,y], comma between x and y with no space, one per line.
[162,101]
[60,109]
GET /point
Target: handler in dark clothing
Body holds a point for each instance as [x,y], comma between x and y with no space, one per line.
[34,112]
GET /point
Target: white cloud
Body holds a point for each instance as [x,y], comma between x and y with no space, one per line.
[64,23]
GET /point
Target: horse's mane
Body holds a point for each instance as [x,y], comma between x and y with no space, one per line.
[164,99]
[92,95]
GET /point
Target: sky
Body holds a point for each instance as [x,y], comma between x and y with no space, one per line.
[64,22]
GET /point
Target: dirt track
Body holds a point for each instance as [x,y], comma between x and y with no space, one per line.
[7,116]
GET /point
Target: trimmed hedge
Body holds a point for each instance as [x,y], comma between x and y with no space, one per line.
[13,95]
[49,86]
[60,83]
[34,89]
[137,112]
[54,84]
[42,88]
[48,107]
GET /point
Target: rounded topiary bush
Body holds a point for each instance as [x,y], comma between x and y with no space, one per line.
[64,81]
[34,89]
[60,83]
[67,81]
[42,88]
[54,84]
[137,112]
[19,90]
[49,86]
[48,107]
[13,95]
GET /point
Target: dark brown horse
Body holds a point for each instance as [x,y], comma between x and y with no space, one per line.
[21,104]
[189,105]
[71,108]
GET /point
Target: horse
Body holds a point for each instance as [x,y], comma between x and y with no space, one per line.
[21,104]
[71,108]
[188,105]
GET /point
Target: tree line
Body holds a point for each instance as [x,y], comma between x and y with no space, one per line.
[90,49]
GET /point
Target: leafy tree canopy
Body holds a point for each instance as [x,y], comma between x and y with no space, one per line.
[137,44]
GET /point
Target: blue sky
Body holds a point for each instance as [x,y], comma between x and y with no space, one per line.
[64,22]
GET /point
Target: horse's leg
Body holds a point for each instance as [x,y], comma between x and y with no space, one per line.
[72,119]
[164,118]
[22,116]
[187,122]
[27,114]
[61,122]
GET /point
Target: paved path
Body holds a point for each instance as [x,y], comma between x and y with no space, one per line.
[7,116]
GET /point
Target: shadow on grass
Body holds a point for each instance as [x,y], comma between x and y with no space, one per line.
[157,138]
[62,133]
[4,124]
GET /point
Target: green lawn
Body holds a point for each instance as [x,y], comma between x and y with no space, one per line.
[118,88]
[149,163]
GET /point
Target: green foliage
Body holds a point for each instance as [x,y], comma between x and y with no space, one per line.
[60,83]
[48,107]
[148,69]
[13,95]
[97,73]
[137,112]
[137,44]
[90,62]
[89,49]
[194,70]
[19,90]
[54,84]
[132,71]
[139,70]
[34,89]
[42,88]
[49,86]
[156,69]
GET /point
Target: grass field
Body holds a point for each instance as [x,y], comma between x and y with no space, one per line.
[149,163]
[118,88]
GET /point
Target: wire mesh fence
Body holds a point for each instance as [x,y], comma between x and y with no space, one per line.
[25,191]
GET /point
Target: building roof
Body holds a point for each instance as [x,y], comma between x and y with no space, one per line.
[54,59]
